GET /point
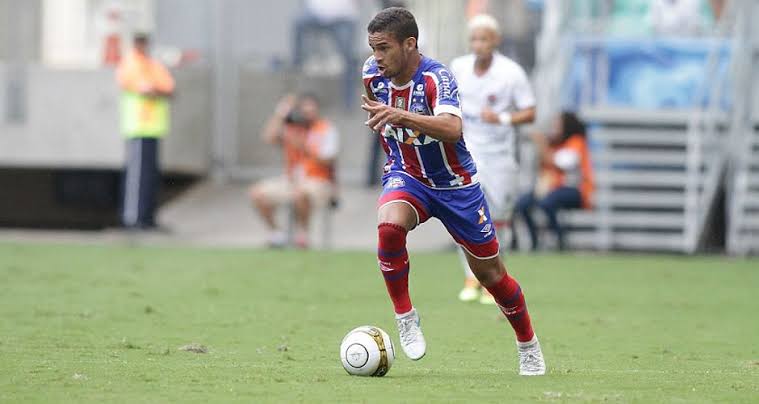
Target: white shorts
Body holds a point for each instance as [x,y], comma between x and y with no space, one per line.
[499,180]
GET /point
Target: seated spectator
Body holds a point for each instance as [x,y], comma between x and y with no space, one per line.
[310,145]
[565,180]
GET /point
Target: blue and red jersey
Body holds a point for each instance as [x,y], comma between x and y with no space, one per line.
[431,91]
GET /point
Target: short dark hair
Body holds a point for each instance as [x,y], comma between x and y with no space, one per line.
[396,21]
[571,125]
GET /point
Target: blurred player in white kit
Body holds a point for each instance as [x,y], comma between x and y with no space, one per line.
[495,97]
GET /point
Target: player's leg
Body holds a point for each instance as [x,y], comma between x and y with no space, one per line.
[467,218]
[498,195]
[508,194]
[471,290]
[402,207]
[507,293]
[490,170]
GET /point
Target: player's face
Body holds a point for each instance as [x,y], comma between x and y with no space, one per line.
[483,42]
[389,53]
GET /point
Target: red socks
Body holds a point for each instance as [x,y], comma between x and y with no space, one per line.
[393,261]
[509,297]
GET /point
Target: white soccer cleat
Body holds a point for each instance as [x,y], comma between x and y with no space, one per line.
[412,339]
[469,294]
[531,362]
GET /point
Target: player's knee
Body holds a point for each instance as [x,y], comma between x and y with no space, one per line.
[489,272]
[391,236]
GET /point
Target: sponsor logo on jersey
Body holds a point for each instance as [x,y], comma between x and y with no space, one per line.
[419,92]
[396,182]
[487,229]
[400,103]
[379,88]
[492,99]
[445,83]
[407,136]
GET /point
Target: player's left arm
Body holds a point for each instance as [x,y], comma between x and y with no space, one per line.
[444,127]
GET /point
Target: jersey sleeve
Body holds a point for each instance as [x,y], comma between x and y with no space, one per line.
[442,92]
[523,95]
[368,73]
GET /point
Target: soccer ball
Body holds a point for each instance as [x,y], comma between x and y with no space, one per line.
[367,351]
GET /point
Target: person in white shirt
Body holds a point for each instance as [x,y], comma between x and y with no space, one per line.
[495,97]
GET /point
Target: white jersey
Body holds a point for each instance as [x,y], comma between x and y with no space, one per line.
[503,88]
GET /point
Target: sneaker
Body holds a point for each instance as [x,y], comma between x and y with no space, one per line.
[412,339]
[469,294]
[531,362]
[486,297]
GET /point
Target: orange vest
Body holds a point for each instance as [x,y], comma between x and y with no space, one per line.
[307,165]
[579,145]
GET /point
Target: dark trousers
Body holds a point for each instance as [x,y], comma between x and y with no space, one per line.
[141,179]
[560,198]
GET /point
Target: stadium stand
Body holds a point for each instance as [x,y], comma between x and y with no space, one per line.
[661,111]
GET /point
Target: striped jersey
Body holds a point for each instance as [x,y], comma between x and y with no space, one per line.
[431,91]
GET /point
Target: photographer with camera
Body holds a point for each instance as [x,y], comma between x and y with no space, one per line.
[309,144]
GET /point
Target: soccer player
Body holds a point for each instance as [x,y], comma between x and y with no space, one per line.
[413,103]
[496,96]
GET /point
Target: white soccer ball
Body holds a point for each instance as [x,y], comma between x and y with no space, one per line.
[367,351]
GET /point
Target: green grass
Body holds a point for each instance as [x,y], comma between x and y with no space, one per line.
[103,324]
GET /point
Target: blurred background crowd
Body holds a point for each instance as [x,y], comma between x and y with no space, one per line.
[663,87]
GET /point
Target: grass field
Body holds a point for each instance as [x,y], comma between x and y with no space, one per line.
[95,324]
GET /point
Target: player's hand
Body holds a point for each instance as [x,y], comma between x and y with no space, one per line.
[380,114]
[489,116]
